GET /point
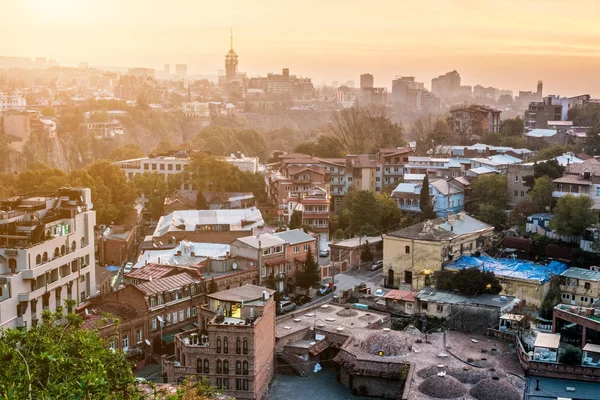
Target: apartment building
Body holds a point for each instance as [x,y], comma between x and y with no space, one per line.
[315,211]
[46,254]
[234,345]
[515,177]
[581,179]
[475,120]
[12,102]
[445,197]
[391,164]
[551,108]
[580,287]
[195,109]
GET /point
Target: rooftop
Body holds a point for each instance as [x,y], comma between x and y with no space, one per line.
[246,293]
[355,242]
[509,268]
[294,236]
[580,273]
[189,220]
[169,256]
[440,229]
[168,283]
[442,296]
[541,133]
[405,295]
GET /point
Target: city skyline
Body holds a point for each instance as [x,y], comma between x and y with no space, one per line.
[327,42]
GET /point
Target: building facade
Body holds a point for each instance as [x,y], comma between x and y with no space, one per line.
[47,254]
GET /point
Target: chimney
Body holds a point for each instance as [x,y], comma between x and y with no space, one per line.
[451,219]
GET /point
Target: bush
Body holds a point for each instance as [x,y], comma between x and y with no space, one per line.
[570,355]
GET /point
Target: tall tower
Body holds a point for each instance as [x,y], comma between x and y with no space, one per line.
[231,62]
[540,88]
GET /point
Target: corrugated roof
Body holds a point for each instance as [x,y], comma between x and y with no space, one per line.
[540,133]
[154,271]
[580,273]
[166,284]
[439,229]
[547,340]
[243,293]
[405,295]
[294,236]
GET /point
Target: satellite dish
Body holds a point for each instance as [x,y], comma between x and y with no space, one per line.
[234,265]
[147,342]
[160,319]
[87,312]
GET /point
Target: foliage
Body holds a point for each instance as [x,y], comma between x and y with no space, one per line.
[550,168]
[425,201]
[366,255]
[222,141]
[541,193]
[492,215]
[498,139]
[57,359]
[585,115]
[570,355]
[142,101]
[325,146]
[190,390]
[518,215]
[212,286]
[126,152]
[296,220]
[309,274]
[592,141]
[551,152]
[389,213]
[552,299]
[361,213]
[572,215]
[154,188]
[271,282]
[490,189]
[48,112]
[469,281]
[512,127]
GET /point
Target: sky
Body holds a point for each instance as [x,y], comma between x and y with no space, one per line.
[509,44]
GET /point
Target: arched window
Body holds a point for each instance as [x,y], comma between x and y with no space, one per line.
[73,245]
[225,367]
[38,259]
[199,365]
[218,344]
[63,250]
[238,367]
[12,265]
[82,242]
[219,367]
[183,359]
[245,346]
[45,257]
[245,368]
[225,345]
[238,345]
[206,370]
[56,252]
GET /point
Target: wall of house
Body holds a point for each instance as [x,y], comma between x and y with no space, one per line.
[574,291]
[516,186]
[421,256]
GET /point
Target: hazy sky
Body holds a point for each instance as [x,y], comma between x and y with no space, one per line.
[505,43]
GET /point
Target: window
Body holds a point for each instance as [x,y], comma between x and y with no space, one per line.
[206,364]
[278,249]
[407,249]
[296,250]
[266,251]
[408,277]
[244,384]
[440,308]
[175,317]
[152,301]
[516,178]
[245,346]
[586,286]
[226,345]
[139,336]
[188,312]
[409,306]
[219,367]
[154,324]
[306,246]
[424,305]
[238,345]
[225,367]
[178,167]
[219,383]
[245,368]
[218,344]
[522,193]
[516,193]
[181,317]
[238,367]
[38,259]
[583,299]
[226,383]
[238,384]
[125,342]
[199,365]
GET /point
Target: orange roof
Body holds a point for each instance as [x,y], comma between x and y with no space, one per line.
[405,295]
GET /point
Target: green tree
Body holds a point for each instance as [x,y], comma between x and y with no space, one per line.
[200,390]
[48,112]
[585,115]
[443,279]
[572,215]
[366,254]
[550,168]
[296,220]
[472,281]
[212,286]
[570,355]
[425,201]
[126,152]
[551,152]
[201,203]
[541,193]
[389,213]
[142,101]
[518,215]
[58,359]
[309,274]
[592,141]
[492,215]
[490,189]
[363,213]
[153,187]
[550,301]
[512,127]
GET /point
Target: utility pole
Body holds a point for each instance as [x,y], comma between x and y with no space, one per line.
[359,251]
[259,261]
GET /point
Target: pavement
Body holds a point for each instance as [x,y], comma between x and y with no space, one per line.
[150,372]
[353,277]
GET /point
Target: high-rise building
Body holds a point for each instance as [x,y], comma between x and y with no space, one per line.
[446,86]
[366,81]
[46,255]
[402,88]
[231,62]
[181,70]
[167,69]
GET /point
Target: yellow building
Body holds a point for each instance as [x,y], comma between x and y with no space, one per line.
[412,254]
[580,287]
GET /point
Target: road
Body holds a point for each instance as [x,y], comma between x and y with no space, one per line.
[349,279]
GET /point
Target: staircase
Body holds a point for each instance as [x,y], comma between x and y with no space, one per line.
[294,362]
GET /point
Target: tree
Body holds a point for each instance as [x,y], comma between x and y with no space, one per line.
[541,193]
[550,168]
[551,152]
[512,127]
[443,279]
[592,141]
[366,255]
[153,187]
[271,282]
[585,115]
[491,189]
[363,213]
[425,201]
[389,213]
[212,287]
[58,359]
[492,215]
[518,215]
[310,274]
[126,152]
[142,101]
[48,112]
[201,203]
[296,220]
[472,281]
[553,297]
[572,215]
[201,390]
[570,355]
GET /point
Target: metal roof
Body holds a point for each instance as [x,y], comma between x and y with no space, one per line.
[240,294]
[166,284]
[294,236]
[547,340]
[580,273]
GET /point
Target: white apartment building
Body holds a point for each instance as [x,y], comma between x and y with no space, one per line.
[195,109]
[12,102]
[46,254]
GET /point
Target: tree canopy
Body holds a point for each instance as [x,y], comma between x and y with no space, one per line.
[548,153]
[425,201]
[57,359]
[469,281]
[309,274]
[126,152]
[585,115]
[541,193]
[491,214]
[491,189]
[512,127]
[222,141]
[572,215]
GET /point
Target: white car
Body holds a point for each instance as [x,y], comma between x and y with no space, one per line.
[127,268]
[379,292]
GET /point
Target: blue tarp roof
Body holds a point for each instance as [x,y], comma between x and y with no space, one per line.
[510,268]
[112,268]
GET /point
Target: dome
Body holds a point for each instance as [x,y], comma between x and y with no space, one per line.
[387,342]
[442,387]
[495,389]
[347,312]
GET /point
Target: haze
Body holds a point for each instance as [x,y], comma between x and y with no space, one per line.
[508,44]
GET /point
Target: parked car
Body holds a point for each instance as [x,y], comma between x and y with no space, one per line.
[325,290]
[302,299]
[324,253]
[128,268]
[286,306]
[377,264]
[379,292]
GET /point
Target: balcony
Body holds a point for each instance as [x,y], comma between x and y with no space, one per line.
[21,323]
[57,262]
[25,297]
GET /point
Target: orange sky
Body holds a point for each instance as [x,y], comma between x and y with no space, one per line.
[505,43]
